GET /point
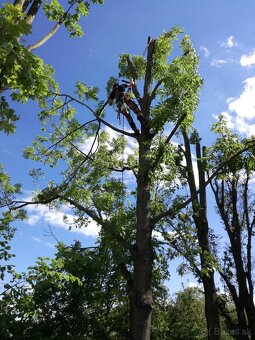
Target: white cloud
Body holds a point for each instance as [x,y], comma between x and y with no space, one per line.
[47,244]
[92,229]
[205,51]
[36,239]
[248,60]
[229,43]
[241,110]
[220,62]
[33,219]
[194,285]
[87,145]
[157,235]
[42,214]
[131,142]
[50,245]
[244,106]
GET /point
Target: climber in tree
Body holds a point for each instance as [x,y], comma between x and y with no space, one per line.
[125,103]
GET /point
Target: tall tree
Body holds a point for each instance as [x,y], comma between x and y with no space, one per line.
[186,315]
[234,199]
[207,261]
[199,245]
[90,186]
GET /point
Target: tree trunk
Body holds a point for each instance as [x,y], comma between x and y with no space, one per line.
[211,308]
[142,294]
[244,296]
[243,302]
[241,326]
[143,256]
[199,207]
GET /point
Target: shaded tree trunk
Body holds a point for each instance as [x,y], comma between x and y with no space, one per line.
[211,308]
[230,215]
[143,256]
[241,325]
[199,206]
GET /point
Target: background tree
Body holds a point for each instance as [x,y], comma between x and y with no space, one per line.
[186,315]
[197,244]
[234,199]
[80,293]
[199,209]
[90,186]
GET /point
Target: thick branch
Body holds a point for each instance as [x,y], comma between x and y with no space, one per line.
[18,2]
[116,129]
[249,237]
[153,93]
[51,33]
[87,211]
[230,286]
[33,11]
[125,168]
[148,73]
[44,39]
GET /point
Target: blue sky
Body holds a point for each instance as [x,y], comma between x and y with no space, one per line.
[222,33]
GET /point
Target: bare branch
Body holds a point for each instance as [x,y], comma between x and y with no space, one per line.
[44,39]
[70,133]
[50,33]
[97,114]
[153,93]
[122,169]
[56,94]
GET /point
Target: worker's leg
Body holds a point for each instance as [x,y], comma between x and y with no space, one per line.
[130,121]
[132,105]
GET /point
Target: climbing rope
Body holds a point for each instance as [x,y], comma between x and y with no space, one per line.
[122,173]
